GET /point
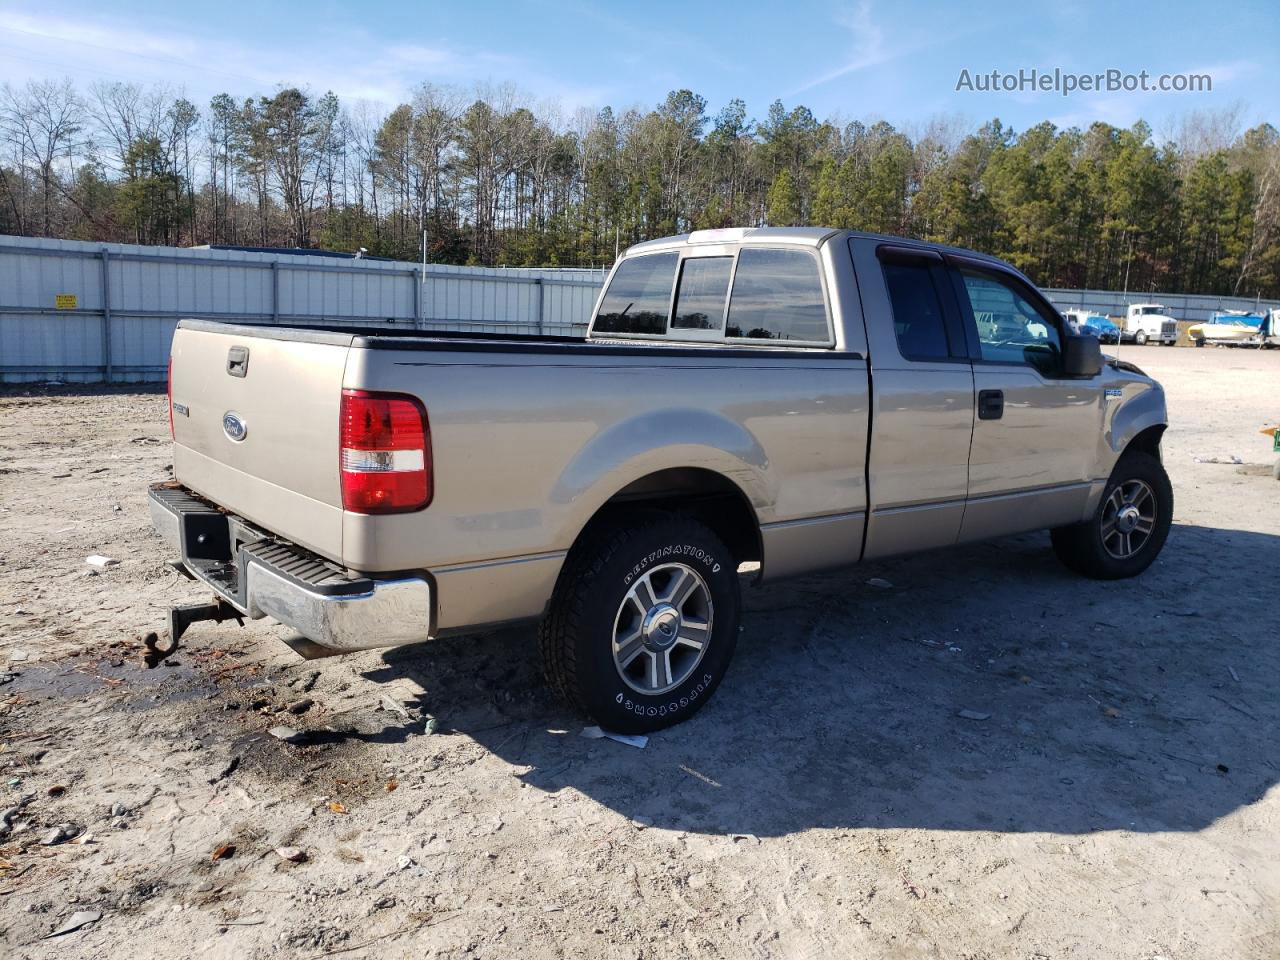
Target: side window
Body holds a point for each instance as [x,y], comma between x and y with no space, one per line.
[1010,328]
[777,295]
[704,283]
[918,320]
[639,296]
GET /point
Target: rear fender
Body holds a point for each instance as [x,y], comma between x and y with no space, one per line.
[660,440]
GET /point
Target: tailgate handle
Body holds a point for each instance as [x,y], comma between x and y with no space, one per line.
[238,361]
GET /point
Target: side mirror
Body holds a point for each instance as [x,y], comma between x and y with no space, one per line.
[1081,356]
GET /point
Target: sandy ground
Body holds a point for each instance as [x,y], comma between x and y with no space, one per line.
[1119,802]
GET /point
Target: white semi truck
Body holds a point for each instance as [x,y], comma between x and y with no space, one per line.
[1146,322]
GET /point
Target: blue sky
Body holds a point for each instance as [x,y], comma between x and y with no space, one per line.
[864,59]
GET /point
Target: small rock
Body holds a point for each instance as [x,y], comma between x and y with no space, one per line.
[1175,778]
[287,734]
[432,725]
[404,862]
[18,656]
[100,562]
[384,903]
[118,810]
[7,677]
[259,703]
[292,854]
[304,683]
[59,834]
[879,583]
[973,715]
[301,706]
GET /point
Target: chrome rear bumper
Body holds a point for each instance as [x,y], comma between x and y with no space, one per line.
[262,576]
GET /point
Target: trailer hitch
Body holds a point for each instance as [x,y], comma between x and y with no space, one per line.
[179,619]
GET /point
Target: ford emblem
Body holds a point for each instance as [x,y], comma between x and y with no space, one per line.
[234,427]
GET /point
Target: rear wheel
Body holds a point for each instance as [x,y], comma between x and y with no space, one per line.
[643,622]
[1130,526]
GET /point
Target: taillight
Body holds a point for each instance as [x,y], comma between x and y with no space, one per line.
[385,452]
[169,393]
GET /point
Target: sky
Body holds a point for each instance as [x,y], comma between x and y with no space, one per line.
[865,60]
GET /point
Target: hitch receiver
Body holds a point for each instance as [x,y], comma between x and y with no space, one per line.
[182,617]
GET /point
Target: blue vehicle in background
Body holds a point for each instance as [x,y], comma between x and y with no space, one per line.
[1092,324]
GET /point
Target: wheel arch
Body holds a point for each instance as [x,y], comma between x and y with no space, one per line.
[704,495]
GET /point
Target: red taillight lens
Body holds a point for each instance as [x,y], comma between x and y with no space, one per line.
[169,393]
[385,452]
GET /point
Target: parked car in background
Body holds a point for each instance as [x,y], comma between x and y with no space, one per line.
[1238,328]
[1092,324]
[1147,322]
[792,399]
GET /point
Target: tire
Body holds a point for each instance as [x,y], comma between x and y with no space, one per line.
[1198,341]
[1140,338]
[1081,546]
[601,598]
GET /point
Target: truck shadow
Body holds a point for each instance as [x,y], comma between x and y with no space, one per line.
[1145,705]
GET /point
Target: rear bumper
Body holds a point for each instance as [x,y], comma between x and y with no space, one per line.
[263,576]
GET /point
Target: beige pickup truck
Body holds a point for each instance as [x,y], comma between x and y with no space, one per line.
[748,404]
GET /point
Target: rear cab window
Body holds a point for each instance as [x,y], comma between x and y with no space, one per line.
[760,295]
[639,297]
[777,295]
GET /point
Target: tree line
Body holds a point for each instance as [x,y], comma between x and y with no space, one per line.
[490,179]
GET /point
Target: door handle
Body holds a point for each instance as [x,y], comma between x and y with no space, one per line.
[990,404]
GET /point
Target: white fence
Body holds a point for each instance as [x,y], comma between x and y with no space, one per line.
[89,312]
[1182,306]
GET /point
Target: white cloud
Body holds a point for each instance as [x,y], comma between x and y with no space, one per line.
[351,62]
[868,47]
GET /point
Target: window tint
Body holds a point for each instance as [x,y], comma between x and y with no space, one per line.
[1011,329]
[777,295]
[639,296]
[704,282]
[917,311]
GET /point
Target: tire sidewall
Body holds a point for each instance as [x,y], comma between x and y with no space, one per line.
[1151,471]
[608,697]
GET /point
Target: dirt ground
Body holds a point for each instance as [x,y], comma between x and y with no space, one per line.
[1119,802]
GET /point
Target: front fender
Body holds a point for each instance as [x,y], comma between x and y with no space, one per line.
[1138,410]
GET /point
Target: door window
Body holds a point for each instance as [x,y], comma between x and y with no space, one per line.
[1010,328]
[918,320]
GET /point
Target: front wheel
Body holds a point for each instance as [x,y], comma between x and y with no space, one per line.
[1140,338]
[643,622]
[1130,526]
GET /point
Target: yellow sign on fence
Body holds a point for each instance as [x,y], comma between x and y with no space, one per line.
[65,301]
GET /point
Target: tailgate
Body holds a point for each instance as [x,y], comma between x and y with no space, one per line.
[255,422]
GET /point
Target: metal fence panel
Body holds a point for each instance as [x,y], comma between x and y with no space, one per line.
[128,299]
[1192,307]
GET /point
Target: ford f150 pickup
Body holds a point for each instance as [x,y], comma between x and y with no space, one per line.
[748,403]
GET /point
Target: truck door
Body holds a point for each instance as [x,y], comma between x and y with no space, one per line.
[1035,435]
[922,396]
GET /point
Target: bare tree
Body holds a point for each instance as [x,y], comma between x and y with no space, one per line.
[43,121]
